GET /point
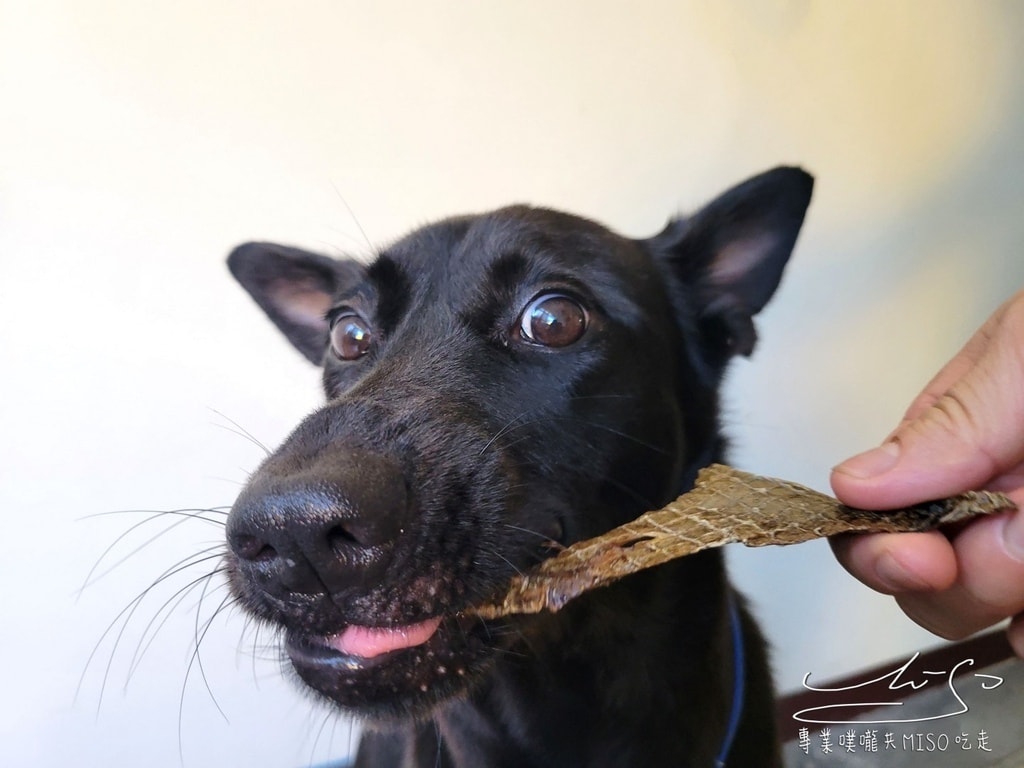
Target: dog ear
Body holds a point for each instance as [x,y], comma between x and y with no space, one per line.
[729,256]
[295,288]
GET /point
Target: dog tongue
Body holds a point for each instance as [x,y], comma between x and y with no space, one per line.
[368,642]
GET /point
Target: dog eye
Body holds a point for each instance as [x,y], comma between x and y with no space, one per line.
[351,336]
[553,320]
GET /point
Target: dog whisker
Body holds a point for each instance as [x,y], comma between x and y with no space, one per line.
[508,427]
[517,421]
[124,619]
[167,611]
[529,531]
[185,516]
[196,658]
[618,432]
[241,432]
[250,627]
[512,565]
[328,718]
[355,219]
[572,418]
[606,396]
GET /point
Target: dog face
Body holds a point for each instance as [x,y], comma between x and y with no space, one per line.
[498,386]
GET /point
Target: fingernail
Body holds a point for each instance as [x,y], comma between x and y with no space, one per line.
[1013,535]
[871,463]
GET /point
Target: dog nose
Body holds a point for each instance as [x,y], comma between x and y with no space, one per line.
[324,526]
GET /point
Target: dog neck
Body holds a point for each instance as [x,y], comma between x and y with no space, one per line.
[590,671]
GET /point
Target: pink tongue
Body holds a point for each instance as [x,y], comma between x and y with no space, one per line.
[367,642]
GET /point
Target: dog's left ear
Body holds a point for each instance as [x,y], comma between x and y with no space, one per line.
[294,287]
[729,256]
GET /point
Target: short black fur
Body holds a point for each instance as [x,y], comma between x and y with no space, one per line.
[500,386]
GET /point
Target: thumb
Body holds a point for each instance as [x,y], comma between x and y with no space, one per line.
[957,435]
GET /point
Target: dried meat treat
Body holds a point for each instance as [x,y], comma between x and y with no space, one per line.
[726,506]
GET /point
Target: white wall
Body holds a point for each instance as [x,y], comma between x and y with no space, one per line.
[140,141]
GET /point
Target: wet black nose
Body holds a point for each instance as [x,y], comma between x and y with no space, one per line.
[320,525]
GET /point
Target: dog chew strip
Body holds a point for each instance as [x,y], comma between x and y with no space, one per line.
[726,506]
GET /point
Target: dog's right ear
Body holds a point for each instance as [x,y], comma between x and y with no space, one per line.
[728,257]
[295,288]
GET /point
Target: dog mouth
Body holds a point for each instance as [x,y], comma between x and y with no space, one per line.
[384,672]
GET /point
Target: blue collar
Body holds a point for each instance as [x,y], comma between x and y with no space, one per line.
[739,673]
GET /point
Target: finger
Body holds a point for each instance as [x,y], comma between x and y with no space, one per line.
[955,369]
[970,435]
[894,563]
[964,429]
[989,585]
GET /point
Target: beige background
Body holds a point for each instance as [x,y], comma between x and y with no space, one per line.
[140,141]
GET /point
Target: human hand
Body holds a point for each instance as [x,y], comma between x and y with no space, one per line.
[964,431]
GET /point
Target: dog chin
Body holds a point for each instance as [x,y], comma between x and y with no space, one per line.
[383,674]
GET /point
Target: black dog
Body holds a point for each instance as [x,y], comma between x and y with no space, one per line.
[499,386]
